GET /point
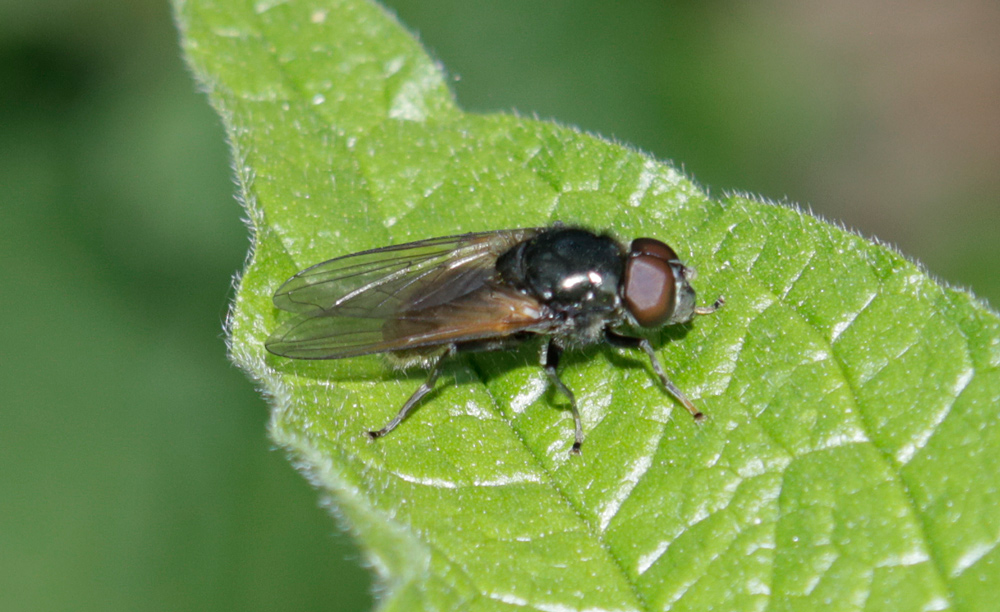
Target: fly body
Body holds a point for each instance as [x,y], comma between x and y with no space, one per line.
[428,300]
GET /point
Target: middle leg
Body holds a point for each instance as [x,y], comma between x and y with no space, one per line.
[551,362]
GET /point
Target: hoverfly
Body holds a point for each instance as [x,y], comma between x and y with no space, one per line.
[425,301]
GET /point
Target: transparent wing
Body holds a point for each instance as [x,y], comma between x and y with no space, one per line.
[489,312]
[414,272]
[424,293]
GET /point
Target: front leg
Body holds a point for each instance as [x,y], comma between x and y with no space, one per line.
[615,339]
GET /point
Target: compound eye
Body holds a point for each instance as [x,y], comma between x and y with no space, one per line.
[648,290]
[652,246]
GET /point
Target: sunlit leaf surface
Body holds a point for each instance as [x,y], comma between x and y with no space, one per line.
[851,455]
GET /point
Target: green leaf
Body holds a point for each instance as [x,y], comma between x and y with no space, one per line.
[851,454]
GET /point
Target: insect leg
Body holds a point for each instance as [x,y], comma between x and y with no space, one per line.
[551,362]
[630,342]
[421,391]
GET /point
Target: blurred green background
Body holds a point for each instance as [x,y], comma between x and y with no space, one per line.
[134,469]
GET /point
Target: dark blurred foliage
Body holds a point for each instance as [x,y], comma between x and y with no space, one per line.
[134,466]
